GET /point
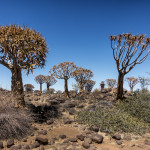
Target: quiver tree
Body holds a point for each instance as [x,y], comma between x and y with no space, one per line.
[82,75]
[128,50]
[76,87]
[132,82]
[89,85]
[111,83]
[21,48]
[40,79]
[63,71]
[144,82]
[28,87]
[50,81]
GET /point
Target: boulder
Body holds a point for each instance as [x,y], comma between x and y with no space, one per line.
[41,140]
[86,145]
[116,136]
[80,137]
[10,143]
[97,138]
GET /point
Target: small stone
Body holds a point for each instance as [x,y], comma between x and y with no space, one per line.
[41,148]
[72,111]
[88,132]
[10,143]
[81,137]
[62,136]
[24,140]
[15,147]
[67,121]
[119,142]
[42,140]
[26,146]
[94,128]
[132,145]
[97,138]
[50,122]
[66,141]
[88,140]
[32,134]
[86,145]
[69,105]
[42,132]
[35,144]
[116,136]
[73,139]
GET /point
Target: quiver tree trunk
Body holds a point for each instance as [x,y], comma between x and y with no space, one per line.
[66,88]
[17,87]
[131,89]
[41,87]
[48,86]
[81,88]
[120,86]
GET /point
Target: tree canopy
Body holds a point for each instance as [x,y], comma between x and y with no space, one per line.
[82,75]
[22,47]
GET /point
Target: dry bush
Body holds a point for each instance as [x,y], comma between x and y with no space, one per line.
[14,122]
[96,92]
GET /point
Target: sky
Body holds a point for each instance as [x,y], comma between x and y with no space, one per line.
[78,31]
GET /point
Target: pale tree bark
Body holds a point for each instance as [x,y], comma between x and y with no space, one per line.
[81,88]
[17,87]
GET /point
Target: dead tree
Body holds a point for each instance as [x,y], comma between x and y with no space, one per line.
[128,50]
[21,48]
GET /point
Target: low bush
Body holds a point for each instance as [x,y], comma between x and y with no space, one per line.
[137,106]
[14,122]
[129,116]
[50,91]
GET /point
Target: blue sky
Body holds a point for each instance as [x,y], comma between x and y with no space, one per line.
[78,31]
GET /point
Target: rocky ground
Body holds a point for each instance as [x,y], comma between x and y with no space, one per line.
[58,129]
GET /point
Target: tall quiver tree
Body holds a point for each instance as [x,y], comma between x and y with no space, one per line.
[82,75]
[40,80]
[50,81]
[63,71]
[132,82]
[128,50]
[21,48]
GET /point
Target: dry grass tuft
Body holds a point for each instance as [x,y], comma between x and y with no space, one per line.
[14,122]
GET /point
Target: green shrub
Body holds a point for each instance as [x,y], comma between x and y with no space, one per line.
[131,115]
[137,106]
[113,121]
